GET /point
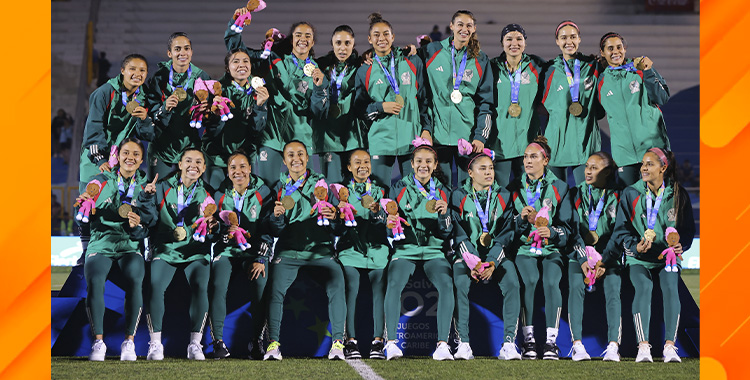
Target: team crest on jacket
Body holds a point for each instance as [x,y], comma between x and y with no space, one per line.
[634,87]
[612,210]
[254,212]
[525,78]
[588,83]
[264,155]
[468,74]
[671,215]
[302,86]
[406,79]
[547,202]
[248,112]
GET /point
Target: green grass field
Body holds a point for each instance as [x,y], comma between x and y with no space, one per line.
[408,368]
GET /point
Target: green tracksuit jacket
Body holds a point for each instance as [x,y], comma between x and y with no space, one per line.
[583,205]
[366,245]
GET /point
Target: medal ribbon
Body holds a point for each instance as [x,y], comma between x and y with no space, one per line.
[135,96]
[368,189]
[391,76]
[296,62]
[248,89]
[627,67]
[515,83]
[530,200]
[125,197]
[574,79]
[171,86]
[422,190]
[239,200]
[182,203]
[484,214]
[458,77]
[290,187]
[594,214]
[335,90]
[653,210]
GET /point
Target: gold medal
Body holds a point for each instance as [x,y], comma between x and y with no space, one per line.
[308,69]
[591,238]
[124,210]
[257,82]
[649,235]
[514,110]
[575,109]
[485,239]
[334,111]
[430,206]
[367,201]
[637,63]
[131,106]
[179,233]
[287,202]
[456,96]
[180,93]
[399,99]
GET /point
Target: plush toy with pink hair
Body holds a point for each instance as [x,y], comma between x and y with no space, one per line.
[465,149]
[202,89]
[321,194]
[273,36]
[391,208]
[594,261]
[208,208]
[221,104]
[240,234]
[113,159]
[243,20]
[673,238]
[347,210]
[88,205]
[474,263]
[540,219]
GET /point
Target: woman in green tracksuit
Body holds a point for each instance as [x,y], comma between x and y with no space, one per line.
[517,95]
[170,95]
[483,228]
[109,122]
[223,138]
[538,190]
[117,240]
[249,197]
[631,92]
[341,131]
[303,243]
[460,92]
[569,97]
[423,202]
[645,211]
[177,200]
[595,202]
[298,94]
[391,96]
[363,252]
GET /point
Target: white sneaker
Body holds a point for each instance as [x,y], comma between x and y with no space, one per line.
[612,353]
[337,351]
[579,352]
[195,351]
[442,352]
[644,353]
[463,351]
[273,352]
[155,351]
[509,352]
[127,351]
[670,354]
[98,351]
[392,351]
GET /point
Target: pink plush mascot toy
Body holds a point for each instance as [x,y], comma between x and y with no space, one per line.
[473,262]
[273,36]
[347,210]
[201,89]
[113,159]
[230,217]
[240,21]
[673,237]
[208,208]
[541,220]
[594,260]
[221,104]
[88,206]
[321,194]
[465,149]
[391,208]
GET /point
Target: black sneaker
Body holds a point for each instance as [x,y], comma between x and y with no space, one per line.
[551,352]
[529,350]
[220,349]
[257,350]
[351,351]
[377,350]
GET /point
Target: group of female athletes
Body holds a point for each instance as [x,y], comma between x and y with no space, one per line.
[238,197]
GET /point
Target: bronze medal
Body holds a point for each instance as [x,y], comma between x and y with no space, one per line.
[124,210]
[514,110]
[180,93]
[308,69]
[575,109]
[591,238]
[430,206]
[485,239]
[399,99]
[649,235]
[287,202]
[334,111]
[456,96]
[131,106]
[179,233]
[367,201]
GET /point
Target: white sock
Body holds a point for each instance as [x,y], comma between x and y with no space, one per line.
[196,337]
[155,336]
[97,340]
[551,334]
[528,333]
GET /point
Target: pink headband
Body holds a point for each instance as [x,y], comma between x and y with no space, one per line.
[660,153]
[544,152]
[566,23]
[485,153]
